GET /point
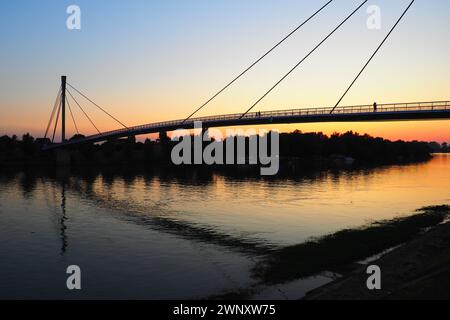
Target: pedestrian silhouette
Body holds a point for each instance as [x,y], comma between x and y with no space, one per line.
[375,106]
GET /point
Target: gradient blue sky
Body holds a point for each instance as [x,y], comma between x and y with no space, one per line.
[147,61]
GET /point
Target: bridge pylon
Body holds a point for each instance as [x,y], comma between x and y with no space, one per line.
[63,108]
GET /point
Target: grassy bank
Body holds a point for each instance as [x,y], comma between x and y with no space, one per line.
[338,250]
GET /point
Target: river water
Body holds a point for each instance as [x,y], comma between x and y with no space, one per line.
[161,235]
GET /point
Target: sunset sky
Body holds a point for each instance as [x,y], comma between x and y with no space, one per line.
[148,61]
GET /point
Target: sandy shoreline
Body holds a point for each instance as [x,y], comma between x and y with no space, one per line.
[420,269]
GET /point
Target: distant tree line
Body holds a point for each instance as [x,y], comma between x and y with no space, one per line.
[440,147]
[14,151]
[362,148]
[307,147]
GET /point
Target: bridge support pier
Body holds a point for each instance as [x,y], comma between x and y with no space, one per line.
[205,133]
[163,137]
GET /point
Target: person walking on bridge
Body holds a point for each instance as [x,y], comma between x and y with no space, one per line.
[375,106]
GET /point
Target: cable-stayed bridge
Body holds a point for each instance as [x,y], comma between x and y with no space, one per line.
[432,110]
[384,112]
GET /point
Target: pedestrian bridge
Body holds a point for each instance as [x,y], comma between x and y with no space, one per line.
[384,112]
[417,111]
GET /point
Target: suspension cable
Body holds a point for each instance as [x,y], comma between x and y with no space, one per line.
[71,113]
[373,55]
[84,96]
[258,60]
[79,106]
[301,61]
[58,97]
[56,121]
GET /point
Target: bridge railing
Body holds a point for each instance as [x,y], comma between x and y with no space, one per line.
[359,109]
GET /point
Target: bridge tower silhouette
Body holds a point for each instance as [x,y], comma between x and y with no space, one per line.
[63,107]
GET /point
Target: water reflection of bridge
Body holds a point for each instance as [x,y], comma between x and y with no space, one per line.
[152,217]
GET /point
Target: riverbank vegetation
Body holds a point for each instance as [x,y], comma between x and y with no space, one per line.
[296,149]
[335,252]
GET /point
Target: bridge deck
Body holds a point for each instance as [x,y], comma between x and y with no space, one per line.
[362,113]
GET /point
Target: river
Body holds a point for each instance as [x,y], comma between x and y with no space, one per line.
[161,235]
